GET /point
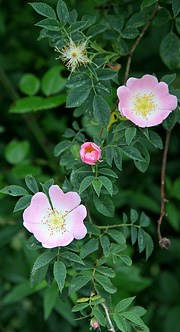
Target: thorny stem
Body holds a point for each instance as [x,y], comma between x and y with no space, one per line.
[108,317]
[138,40]
[163,200]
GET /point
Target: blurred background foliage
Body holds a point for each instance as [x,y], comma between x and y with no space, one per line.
[156,282]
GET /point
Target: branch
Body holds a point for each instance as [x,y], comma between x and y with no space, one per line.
[138,40]
[108,317]
[164,243]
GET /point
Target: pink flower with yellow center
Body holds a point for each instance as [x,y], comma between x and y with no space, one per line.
[90,153]
[57,225]
[145,102]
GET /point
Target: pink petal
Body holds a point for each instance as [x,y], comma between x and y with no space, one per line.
[63,202]
[37,210]
[74,222]
[168,102]
[144,85]
[40,231]
[157,118]
[160,90]
[139,120]
[86,145]
[82,153]
[96,147]
[58,239]
[125,97]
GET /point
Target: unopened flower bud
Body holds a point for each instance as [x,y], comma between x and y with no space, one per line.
[94,323]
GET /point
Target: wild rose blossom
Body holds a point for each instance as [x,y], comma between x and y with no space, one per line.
[145,102]
[90,153]
[56,226]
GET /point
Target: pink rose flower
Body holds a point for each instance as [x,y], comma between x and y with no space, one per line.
[145,102]
[94,323]
[57,225]
[90,153]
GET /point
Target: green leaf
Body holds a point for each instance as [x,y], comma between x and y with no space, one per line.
[50,24]
[130,133]
[117,236]
[169,78]
[22,203]
[105,243]
[77,96]
[132,153]
[89,247]
[95,30]
[77,80]
[126,259]
[97,185]
[43,260]
[155,139]
[140,311]
[120,322]
[107,271]
[92,229]
[101,111]
[29,84]
[169,50]
[31,183]
[133,234]
[50,296]
[14,191]
[104,205]
[107,184]
[72,257]
[43,9]
[77,26]
[62,12]
[149,245]
[118,158]
[130,33]
[106,284]
[123,125]
[16,152]
[141,165]
[108,172]
[79,307]
[86,182]
[162,17]
[109,155]
[98,315]
[36,103]
[60,274]
[78,283]
[52,81]
[144,220]
[147,3]
[177,22]
[135,319]
[169,122]
[141,240]
[105,74]
[133,215]
[61,147]
[176,7]
[123,304]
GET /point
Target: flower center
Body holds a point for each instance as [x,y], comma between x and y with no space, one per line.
[74,54]
[89,149]
[55,221]
[144,104]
